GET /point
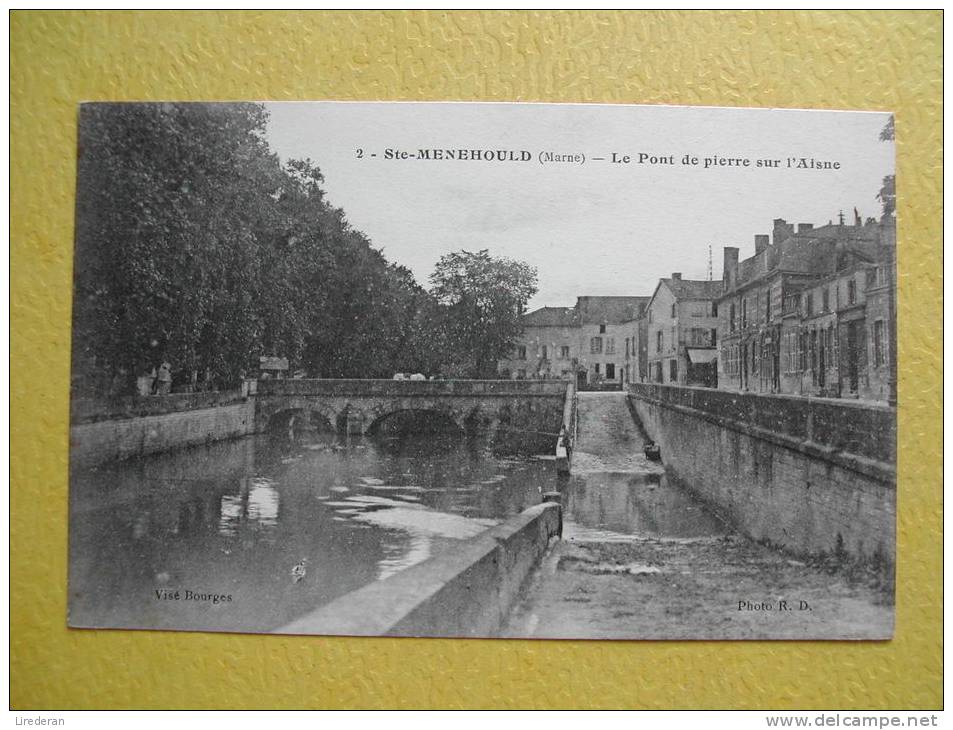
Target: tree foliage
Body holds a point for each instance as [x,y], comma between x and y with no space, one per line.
[195,245]
[483,299]
[888,191]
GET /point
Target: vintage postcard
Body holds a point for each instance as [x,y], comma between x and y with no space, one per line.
[484,370]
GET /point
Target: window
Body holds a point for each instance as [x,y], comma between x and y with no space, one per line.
[880,355]
[700,337]
[714,337]
[650,316]
[602,329]
[627,352]
[674,342]
[731,317]
[767,307]
[825,300]
[851,292]
[744,312]
[595,346]
[673,310]
[521,352]
[544,351]
[564,352]
[673,371]
[597,368]
[714,309]
[813,346]
[658,341]
[610,345]
[809,304]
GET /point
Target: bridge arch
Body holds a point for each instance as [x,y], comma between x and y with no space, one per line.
[420,419]
[309,415]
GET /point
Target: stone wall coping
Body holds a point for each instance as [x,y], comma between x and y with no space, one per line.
[92,410]
[328,386]
[876,468]
[845,402]
[387,607]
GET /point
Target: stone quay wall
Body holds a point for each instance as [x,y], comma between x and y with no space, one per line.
[812,476]
[121,428]
[467,591]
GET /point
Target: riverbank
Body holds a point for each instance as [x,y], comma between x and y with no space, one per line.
[723,587]
[642,558]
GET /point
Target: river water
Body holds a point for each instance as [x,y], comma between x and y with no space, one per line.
[248,535]
[209,538]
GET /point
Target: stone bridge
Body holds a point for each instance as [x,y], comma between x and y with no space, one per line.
[362,406]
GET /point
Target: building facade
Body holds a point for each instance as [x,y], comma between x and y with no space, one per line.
[682,332]
[636,349]
[812,312]
[548,347]
[587,342]
[604,327]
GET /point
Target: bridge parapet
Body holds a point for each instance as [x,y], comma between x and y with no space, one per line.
[402,388]
[360,406]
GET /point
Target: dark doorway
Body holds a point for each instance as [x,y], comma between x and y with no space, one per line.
[581,379]
[610,371]
[852,356]
[744,367]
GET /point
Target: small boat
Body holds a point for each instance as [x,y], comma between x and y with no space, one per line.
[652,451]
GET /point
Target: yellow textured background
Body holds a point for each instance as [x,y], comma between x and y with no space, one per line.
[863,60]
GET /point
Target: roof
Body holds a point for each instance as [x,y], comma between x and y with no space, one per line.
[550,317]
[815,251]
[688,289]
[609,310]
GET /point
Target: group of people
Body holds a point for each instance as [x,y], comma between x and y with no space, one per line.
[157,382]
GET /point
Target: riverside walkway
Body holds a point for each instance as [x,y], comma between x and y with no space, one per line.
[641,558]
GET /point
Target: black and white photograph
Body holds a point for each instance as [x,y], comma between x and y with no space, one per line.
[506,370]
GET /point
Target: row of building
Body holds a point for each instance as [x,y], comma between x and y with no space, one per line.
[812,312]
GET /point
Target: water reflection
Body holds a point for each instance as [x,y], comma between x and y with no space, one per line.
[635,505]
[234,519]
[253,533]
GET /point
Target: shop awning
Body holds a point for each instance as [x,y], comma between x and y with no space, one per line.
[702,357]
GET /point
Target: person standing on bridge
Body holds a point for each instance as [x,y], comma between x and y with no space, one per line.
[164,379]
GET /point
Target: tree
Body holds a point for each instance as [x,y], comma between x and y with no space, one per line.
[482,300]
[170,205]
[195,245]
[888,191]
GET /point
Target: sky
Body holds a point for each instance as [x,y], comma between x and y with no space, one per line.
[596,228]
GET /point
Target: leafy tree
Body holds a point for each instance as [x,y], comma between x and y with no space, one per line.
[196,246]
[482,300]
[169,203]
[888,191]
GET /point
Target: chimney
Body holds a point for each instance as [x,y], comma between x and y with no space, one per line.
[804,227]
[730,267]
[677,276]
[782,230]
[760,243]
